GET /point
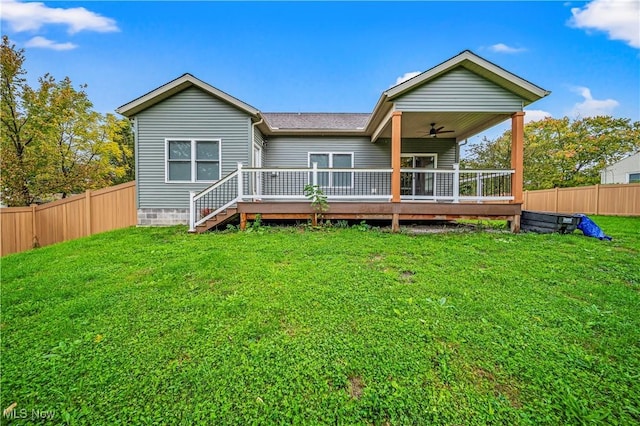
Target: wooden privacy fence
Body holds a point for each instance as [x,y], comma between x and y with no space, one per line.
[78,216]
[615,200]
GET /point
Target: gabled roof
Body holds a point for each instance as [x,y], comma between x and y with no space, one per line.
[528,91]
[346,123]
[316,121]
[178,85]
[478,65]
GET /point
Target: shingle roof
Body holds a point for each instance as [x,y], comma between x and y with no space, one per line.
[305,120]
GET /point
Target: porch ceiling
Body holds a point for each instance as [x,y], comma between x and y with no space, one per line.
[464,124]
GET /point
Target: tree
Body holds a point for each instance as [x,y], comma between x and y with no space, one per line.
[562,152]
[22,127]
[80,142]
[53,143]
[120,131]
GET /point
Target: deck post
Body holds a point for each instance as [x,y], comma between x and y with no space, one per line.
[240,185]
[456,183]
[517,164]
[515,224]
[192,212]
[396,149]
[314,174]
[479,189]
[517,155]
[243,221]
[395,222]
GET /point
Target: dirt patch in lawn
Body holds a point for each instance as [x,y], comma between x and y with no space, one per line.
[355,386]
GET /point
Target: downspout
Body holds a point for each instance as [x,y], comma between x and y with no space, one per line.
[134,128]
[458,150]
[255,181]
[253,138]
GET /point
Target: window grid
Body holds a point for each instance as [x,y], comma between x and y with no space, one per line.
[196,160]
[332,179]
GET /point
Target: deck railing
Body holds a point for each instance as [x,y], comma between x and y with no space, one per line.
[456,185]
[337,184]
[288,184]
[215,199]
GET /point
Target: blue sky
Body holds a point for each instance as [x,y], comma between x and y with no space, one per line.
[332,56]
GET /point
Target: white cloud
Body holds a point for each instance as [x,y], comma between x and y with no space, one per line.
[535,115]
[503,48]
[406,76]
[592,107]
[33,16]
[619,18]
[45,43]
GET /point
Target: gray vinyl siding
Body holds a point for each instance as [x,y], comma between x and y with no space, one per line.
[444,148]
[190,114]
[292,151]
[459,90]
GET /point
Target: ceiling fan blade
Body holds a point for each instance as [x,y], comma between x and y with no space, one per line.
[439,129]
[446,131]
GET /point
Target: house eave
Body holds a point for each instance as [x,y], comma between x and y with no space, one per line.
[498,75]
[314,132]
[176,86]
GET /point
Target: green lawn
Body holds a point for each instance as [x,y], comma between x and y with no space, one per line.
[340,326]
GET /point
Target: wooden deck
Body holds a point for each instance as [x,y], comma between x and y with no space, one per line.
[393,212]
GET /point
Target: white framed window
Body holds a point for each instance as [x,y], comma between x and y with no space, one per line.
[192,160]
[633,178]
[333,160]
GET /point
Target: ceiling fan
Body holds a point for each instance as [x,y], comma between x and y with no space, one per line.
[433,132]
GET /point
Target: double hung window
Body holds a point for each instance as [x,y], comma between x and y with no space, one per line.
[192,160]
[333,160]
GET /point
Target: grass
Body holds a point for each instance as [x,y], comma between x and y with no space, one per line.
[343,326]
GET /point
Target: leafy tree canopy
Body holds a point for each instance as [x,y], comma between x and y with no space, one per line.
[562,152]
[52,142]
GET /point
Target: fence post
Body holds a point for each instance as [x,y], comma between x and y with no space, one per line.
[314,174]
[597,199]
[240,184]
[34,223]
[526,200]
[192,212]
[87,211]
[555,206]
[456,183]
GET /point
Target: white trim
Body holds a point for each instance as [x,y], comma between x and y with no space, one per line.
[299,169]
[422,154]
[331,154]
[628,177]
[460,59]
[415,170]
[193,160]
[176,86]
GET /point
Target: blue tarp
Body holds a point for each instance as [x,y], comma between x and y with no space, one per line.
[590,229]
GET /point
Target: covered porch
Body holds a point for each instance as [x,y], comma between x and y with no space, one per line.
[412,189]
[436,110]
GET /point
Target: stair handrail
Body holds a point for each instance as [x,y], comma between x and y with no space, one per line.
[193,197]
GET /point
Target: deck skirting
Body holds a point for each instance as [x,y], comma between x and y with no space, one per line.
[404,211]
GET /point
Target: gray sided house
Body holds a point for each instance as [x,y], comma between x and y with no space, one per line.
[204,157]
[626,170]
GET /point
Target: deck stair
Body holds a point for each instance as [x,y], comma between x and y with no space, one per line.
[217,204]
[218,220]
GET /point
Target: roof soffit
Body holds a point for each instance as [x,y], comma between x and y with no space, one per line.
[491,72]
[176,86]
